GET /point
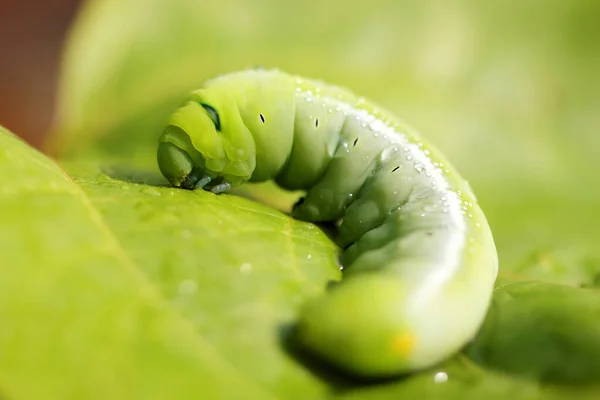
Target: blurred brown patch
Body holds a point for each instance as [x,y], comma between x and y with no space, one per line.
[31,37]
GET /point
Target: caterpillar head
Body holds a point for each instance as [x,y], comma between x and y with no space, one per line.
[197,147]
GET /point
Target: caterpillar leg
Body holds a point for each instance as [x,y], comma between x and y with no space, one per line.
[221,188]
[205,180]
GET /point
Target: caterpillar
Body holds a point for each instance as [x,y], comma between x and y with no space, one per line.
[418,253]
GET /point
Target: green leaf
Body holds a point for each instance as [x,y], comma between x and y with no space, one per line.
[235,269]
[544,332]
[79,318]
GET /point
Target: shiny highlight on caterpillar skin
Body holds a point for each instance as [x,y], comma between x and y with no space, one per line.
[419,257]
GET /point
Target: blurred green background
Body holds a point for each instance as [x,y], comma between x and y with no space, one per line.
[508,90]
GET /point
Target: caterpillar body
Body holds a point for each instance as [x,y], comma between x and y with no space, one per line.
[418,254]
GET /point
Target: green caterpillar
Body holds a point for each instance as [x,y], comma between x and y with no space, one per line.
[420,260]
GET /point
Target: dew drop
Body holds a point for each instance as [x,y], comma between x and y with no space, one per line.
[440,377]
[409,158]
[309,257]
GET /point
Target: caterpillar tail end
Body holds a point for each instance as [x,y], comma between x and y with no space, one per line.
[345,328]
[375,326]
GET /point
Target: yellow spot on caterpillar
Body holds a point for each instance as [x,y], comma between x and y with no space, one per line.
[403,343]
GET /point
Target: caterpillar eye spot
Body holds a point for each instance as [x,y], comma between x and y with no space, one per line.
[213,114]
[262,118]
[355,141]
[396,169]
[317,123]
